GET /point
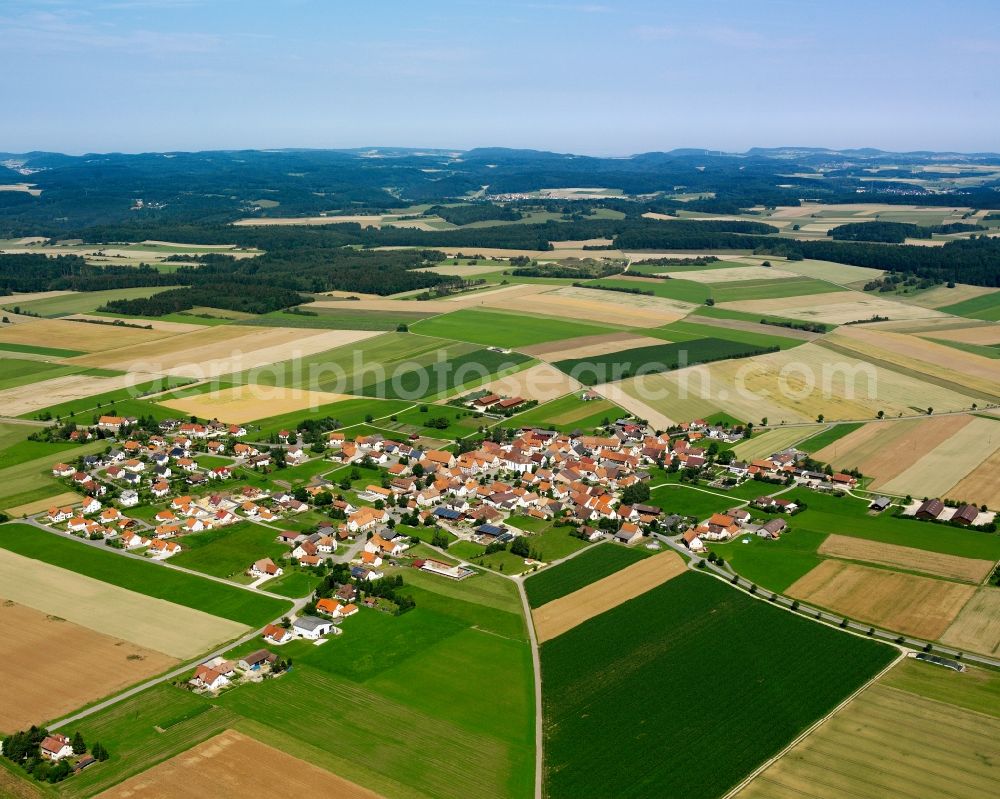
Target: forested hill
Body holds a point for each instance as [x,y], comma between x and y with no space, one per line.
[222,186]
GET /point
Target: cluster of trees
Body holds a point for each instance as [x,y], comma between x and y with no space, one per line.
[24,748]
[622,289]
[791,324]
[251,298]
[895,232]
[569,268]
[477,212]
[23,272]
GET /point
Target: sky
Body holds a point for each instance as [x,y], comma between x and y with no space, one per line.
[603,78]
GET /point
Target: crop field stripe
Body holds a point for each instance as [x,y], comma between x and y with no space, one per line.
[154,580]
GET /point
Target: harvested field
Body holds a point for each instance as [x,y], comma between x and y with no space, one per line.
[372,220]
[223,350]
[918,560]
[488,298]
[541,382]
[755,327]
[963,452]
[919,606]
[464,270]
[619,394]
[33,396]
[980,334]
[78,666]
[768,442]
[29,508]
[594,305]
[585,346]
[940,296]
[232,764]
[579,244]
[155,624]
[841,274]
[835,307]
[884,450]
[975,374]
[246,403]
[889,742]
[982,483]
[792,386]
[155,324]
[79,336]
[732,275]
[556,617]
[977,626]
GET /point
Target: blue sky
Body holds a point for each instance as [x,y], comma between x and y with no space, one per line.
[608,78]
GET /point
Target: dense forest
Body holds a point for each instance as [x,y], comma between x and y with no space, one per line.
[222,186]
[250,298]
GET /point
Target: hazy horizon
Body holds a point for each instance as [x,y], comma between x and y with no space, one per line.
[591,78]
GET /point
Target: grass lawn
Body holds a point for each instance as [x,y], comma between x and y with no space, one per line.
[826,437]
[228,550]
[773,564]
[461,421]
[141,576]
[587,567]
[602,682]
[498,329]
[296,583]
[688,501]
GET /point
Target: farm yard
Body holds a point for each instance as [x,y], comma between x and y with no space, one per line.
[791,671]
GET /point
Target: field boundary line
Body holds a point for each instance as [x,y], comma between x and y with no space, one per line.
[811,728]
[537,667]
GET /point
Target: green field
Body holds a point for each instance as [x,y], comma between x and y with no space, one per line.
[689,501]
[715,312]
[461,421]
[86,301]
[567,414]
[976,689]
[606,705]
[587,567]
[21,371]
[770,288]
[826,437]
[985,306]
[30,480]
[144,577]
[293,584]
[394,704]
[32,349]
[596,369]
[101,403]
[465,370]
[827,513]
[229,550]
[674,289]
[773,564]
[23,450]
[498,329]
[688,331]
[338,319]
[346,412]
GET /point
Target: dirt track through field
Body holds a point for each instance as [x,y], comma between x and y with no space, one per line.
[556,617]
[919,560]
[234,765]
[51,666]
[919,606]
[174,630]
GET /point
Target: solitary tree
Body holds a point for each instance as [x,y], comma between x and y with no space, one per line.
[79,745]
